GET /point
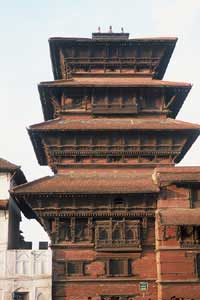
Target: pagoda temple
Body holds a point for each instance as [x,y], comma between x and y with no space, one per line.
[124,222]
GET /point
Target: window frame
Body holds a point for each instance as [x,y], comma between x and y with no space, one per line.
[127,268]
[80,266]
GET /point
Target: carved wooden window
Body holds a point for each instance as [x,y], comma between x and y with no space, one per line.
[190,235]
[103,234]
[74,229]
[76,102]
[196,198]
[198,264]
[75,268]
[72,103]
[81,230]
[187,234]
[118,267]
[129,234]
[117,233]
[64,230]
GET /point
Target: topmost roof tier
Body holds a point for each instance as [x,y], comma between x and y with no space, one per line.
[110,53]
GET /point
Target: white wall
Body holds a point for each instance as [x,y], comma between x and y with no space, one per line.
[4,185]
[25,271]
[3,229]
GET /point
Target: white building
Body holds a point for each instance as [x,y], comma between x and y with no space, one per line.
[25,274]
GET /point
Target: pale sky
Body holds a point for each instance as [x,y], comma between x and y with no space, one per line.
[25,27]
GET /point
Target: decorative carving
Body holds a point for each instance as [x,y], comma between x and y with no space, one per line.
[64,231]
[144,227]
[109,234]
[81,231]
[190,235]
[113,149]
[110,63]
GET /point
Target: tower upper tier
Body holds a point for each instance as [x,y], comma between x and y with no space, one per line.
[110,54]
[109,107]
[112,96]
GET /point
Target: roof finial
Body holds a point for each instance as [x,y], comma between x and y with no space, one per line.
[99,29]
[110,29]
[122,29]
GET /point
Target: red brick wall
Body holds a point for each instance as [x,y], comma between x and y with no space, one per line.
[77,291]
[95,282]
[186,290]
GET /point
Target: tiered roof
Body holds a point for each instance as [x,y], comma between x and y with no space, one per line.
[114,82]
[103,180]
[87,181]
[88,123]
[7,166]
[109,61]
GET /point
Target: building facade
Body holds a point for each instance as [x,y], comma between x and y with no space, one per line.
[122,219]
[25,274]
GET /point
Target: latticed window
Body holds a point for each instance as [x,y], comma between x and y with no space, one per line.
[117,233]
[81,230]
[190,235]
[103,234]
[118,267]
[75,268]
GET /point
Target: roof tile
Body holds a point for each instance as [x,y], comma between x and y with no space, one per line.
[92,181]
[90,123]
[5,165]
[179,216]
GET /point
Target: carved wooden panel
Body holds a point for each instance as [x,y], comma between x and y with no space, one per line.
[113,148]
[189,236]
[109,58]
[117,233]
[99,100]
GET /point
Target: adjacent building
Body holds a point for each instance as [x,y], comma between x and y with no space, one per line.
[124,222]
[25,274]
